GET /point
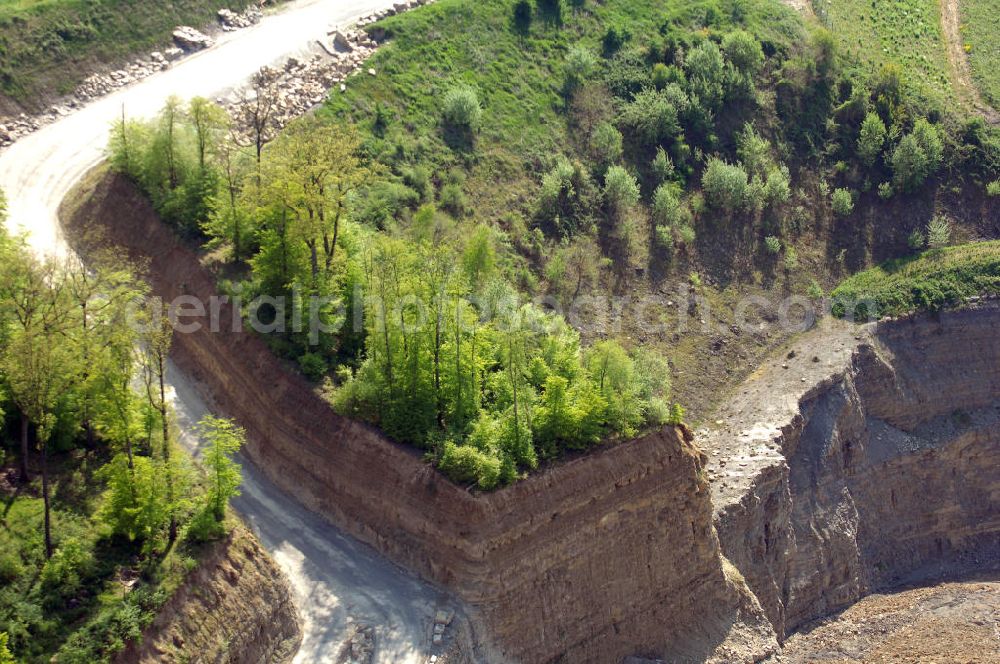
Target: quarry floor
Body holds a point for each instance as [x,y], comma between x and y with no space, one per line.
[956,622]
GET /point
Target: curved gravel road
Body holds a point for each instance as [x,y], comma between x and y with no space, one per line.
[336,581]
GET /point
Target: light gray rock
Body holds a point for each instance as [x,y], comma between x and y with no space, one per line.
[190,39]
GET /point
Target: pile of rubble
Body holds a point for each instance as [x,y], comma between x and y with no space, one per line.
[230,20]
[302,85]
[359,648]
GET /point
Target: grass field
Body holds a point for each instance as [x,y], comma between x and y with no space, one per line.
[905,32]
[930,280]
[49,46]
[981,34]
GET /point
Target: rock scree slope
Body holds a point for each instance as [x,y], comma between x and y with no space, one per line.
[602,557]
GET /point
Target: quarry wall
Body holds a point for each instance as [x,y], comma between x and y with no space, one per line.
[600,557]
[882,472]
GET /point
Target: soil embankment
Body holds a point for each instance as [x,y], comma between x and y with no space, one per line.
[609,555]
[234,607]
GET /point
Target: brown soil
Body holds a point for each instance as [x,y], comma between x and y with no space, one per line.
[955,622]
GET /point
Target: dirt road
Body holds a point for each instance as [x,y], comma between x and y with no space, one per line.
[951,21]
[337,582]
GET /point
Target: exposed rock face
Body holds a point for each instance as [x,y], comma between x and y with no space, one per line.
[234,607]
[881,469]
[605,556]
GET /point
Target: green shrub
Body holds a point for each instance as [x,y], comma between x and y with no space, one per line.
[465,463]
[666,206]
[615,37]
[452,199]
[772,244]
[621,190]
[725,185]
[993,188]
[65,572]
[938,232]
[580,64]
[916,240]
[313,365]
[606,144]
[461,108]
[651,117]
[842,202]
[687,235]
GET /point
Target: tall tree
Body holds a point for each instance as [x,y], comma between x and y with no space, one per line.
[156,340]
[315,165]
[40,360]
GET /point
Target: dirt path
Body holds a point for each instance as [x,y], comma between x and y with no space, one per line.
[951,21]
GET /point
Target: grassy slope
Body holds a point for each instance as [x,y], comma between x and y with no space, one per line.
[904,32]
[929,280]
[981,31]
[519,82]
[525,128]
[49,46]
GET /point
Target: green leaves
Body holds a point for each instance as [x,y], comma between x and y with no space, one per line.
[223,439]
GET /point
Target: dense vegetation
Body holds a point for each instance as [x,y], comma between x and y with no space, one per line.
[564,150]
[49,46]
[980,27]
[103,513]
[930,280]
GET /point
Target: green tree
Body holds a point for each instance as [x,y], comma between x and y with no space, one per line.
[311,171]
[651,117]
[917,156]
[725,185]
[40,362]
[842,202]
[223,439]
[871,139]
[744,52]
[706,74]
[606,144]
[621,190]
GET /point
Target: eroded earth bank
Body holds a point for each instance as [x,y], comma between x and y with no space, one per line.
[869,461]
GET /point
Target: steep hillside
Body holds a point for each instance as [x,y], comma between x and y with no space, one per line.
[234,607]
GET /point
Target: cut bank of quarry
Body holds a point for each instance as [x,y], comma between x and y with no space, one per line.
[857,460]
